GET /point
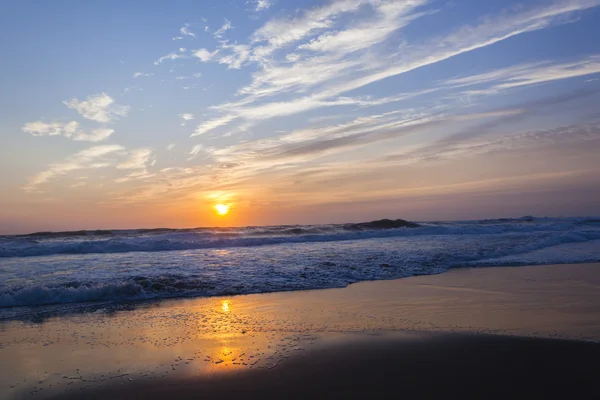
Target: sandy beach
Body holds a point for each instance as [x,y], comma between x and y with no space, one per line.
[280,199]
[479,332]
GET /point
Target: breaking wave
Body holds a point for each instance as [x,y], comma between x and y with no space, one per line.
[131,265]
[156,240]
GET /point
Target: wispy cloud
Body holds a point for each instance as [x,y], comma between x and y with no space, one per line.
[224,28]
[505,143]
[185,31]
[193,76]
[307,145]
[238,55]
[200,149]
[92,157]
[204,55]
[527,74]
[472,137]
[40,128]
[100,108]
[330,59]
[69,130]
[185,117]
[196,149]
[170,56]
[261,5]
[137,162]
[282,32]
[141,74]
[212,124]
[96,135]
[138,159]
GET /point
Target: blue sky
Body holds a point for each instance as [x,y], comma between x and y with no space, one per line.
[147,113]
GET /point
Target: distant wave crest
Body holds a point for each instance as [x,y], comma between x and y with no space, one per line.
[153,240]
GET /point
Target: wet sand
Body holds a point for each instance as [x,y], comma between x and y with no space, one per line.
[412,366]
[366,334]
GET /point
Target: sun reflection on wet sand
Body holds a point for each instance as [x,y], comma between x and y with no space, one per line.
[225,305]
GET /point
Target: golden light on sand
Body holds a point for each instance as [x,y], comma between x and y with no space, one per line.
[225,306]
[221,209]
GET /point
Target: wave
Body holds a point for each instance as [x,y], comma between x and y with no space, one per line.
[134,288]
[114,277]
[155,240]
[266,230]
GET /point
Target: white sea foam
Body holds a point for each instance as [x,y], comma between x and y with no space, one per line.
[130,265]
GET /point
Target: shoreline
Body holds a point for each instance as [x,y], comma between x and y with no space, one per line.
[59,310]
[189,339]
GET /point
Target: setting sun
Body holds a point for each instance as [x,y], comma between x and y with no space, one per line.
[222,209]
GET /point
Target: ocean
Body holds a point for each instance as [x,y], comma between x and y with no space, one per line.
[55,272]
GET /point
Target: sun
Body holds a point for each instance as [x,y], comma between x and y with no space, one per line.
[221,209]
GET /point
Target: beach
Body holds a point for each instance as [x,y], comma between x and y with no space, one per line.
[312,199]
[479,332]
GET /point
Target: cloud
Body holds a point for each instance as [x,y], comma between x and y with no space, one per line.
[140,74]
[559,136]
[212,124]
[305,145]
[170,56]
[527,74]
[204,55]
[69,130]
[261,5]
[224,28]
[193,76]
[281,32]
[171,146]
[92,157]
[284,108]
[240,54]
[138,159]
[40,128]
[196,149]
[185,31]
[454,142]
[331,58]
[199,149]
[99,108]
[490,31]
[390,17]
[186,117]
[96,135]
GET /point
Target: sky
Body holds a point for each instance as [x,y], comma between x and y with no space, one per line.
[145,114]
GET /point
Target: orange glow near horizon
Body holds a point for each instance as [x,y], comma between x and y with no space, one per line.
[221,209]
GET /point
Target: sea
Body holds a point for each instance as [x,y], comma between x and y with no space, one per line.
[49,273]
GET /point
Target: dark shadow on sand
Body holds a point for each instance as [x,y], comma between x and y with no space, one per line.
[440,366]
